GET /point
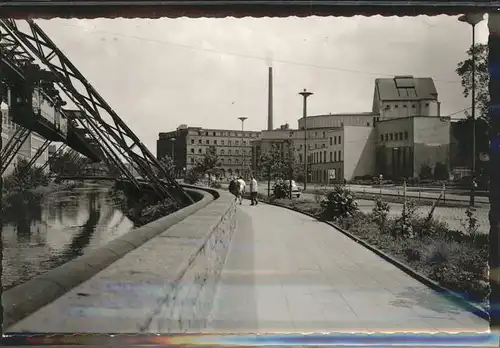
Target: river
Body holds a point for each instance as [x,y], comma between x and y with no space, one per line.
[70,224]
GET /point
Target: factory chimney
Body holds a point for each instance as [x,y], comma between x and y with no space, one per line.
[270,101]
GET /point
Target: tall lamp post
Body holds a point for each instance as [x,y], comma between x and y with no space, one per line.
[305,94]
[473,19]
[173,153]
[242,119]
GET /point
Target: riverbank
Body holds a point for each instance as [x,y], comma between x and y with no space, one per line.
[74,219]
[455,260]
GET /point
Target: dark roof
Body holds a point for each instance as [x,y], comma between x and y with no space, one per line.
[420,88]
[235,8]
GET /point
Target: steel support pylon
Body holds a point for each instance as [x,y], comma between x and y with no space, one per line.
[116,139]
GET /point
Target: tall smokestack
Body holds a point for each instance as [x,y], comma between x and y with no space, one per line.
[270,101]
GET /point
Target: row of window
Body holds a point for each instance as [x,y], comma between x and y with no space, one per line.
[321,157]
[215,142]
[397,136]
[396,106]
[223,161]
[223,153]
[229,134]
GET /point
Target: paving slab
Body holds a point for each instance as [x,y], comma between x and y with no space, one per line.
[287,272]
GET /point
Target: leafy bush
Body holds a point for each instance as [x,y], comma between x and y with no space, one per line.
[380,213]
[339,203]
[280,190]
[215,185]
[192,176]
[441,171]
[425,172]
[403,225]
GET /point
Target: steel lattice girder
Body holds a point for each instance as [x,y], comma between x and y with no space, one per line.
[13,146]
[95,107]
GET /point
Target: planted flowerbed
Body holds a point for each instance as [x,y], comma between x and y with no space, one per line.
[457,260]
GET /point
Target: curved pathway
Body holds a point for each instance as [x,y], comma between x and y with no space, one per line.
[287,272]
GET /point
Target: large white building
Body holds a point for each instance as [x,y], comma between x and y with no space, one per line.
[28,148]
[403,131]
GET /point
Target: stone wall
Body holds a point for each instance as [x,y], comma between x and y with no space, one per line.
[165,285]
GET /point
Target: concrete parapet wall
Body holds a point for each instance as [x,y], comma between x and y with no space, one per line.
[165,285]
[30,296]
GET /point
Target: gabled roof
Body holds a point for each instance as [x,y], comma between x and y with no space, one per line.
[405,88]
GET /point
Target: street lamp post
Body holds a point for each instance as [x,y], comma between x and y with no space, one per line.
[473,19]
[242,119]
[305,94]
[173,154]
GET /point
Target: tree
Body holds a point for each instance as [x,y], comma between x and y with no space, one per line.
[441,171]
[464,70]
[67,163]
[210,163]
[168,164]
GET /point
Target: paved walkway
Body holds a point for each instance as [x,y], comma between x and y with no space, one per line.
[288,272]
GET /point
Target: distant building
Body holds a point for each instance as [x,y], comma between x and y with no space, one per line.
[403,131]
[188,145]
[28,148]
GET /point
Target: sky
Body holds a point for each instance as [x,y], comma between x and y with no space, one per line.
[158,74]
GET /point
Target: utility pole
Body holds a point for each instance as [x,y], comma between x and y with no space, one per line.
[305,94]
[242,119]
[494,169]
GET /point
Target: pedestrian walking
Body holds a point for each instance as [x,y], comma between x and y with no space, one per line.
[241,188]
[254,189]
[234,188]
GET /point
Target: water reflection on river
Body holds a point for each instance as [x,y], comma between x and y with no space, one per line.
[72,223]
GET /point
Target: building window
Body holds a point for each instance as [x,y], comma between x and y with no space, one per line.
[199,141]
[236,161]
[206,133]
[207,142]
[386,137]
[236,152]
[222,160]
[427,104]
[229,161]
[404,105]
[323,146]
[222,142]
[396,106]
[406,135]
[324,156]
[324,135]
[331,140]
[244,143]
[237,143]
[381,137]
[400,135]
[214,134]
[331,156]
[320,157]
[199,150]
[192,160]
[413,106]
[229,152]
[392,136]
[222,152]
[192,150]
[335,156]
[229,142]
[340,156]
[340,139]
[315,134]
[192,141]
[215,142]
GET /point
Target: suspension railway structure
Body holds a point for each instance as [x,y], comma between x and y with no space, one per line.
[36,78]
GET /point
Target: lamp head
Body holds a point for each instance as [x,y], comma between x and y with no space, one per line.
[471,18]
[305,93]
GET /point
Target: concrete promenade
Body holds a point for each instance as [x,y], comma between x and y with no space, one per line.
[284,272]
[287,272]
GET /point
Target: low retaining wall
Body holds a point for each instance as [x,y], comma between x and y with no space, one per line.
[165,285]
[28,297]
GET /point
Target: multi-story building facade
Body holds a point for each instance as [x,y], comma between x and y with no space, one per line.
[28,148]
[403,131]
[187,145]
